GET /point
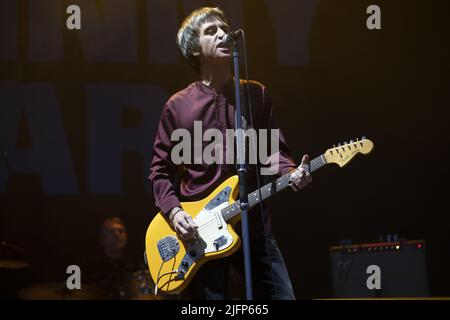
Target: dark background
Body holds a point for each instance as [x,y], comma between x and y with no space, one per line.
[390,85]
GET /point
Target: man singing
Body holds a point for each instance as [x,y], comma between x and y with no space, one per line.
[211,101]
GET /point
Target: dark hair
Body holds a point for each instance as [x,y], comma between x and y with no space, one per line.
[188,34]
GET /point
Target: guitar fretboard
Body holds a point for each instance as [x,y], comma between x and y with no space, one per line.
[268,190]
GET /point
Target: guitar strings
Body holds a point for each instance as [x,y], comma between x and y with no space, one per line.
[206,223]
[209,221]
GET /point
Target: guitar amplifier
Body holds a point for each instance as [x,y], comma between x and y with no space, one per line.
[379,270]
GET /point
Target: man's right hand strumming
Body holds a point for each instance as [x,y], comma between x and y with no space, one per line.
[183,223]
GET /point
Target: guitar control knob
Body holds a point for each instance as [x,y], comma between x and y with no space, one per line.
[185,264]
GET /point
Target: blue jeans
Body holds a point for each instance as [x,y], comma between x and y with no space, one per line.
[270,278]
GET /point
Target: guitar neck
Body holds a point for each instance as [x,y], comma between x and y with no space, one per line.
[268,190]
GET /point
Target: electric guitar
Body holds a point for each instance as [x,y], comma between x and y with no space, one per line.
[173,262]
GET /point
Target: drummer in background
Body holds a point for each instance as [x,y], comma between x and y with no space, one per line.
[113,267]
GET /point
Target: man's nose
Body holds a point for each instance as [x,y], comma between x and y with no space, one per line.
[221,33]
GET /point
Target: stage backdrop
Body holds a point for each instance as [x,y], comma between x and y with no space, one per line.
[79,108]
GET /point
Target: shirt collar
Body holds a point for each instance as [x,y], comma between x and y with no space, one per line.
[227,89]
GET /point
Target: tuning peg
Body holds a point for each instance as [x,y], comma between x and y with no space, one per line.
[339,144]
[352,142]
[357,139]
[345,142]
[363,138]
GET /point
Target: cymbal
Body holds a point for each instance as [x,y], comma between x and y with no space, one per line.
[13,264]
[59,291]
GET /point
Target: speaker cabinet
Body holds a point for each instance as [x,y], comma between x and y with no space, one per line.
[378,270]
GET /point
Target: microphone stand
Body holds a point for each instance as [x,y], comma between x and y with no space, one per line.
[242,174]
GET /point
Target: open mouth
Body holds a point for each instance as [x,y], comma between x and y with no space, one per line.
[221,45]
[224,48]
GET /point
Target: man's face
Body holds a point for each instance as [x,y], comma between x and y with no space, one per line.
[114,236]
[210,40]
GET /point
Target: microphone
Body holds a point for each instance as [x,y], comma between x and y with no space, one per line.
[231,37]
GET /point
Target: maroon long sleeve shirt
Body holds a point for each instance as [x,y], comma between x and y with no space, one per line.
[191,182]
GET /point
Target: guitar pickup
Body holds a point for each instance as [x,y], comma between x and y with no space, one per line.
[219,222]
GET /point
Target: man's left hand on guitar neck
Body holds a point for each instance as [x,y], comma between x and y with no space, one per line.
[301,177]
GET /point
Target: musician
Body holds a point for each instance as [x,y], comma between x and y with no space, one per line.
[112,269]
[211,101]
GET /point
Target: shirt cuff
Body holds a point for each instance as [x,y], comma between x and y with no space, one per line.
[167,205]
[287,169]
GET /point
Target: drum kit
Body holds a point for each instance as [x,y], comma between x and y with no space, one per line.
[137,287]
[59,291]
[140,287]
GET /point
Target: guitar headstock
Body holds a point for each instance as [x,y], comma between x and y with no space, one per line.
[343,153]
